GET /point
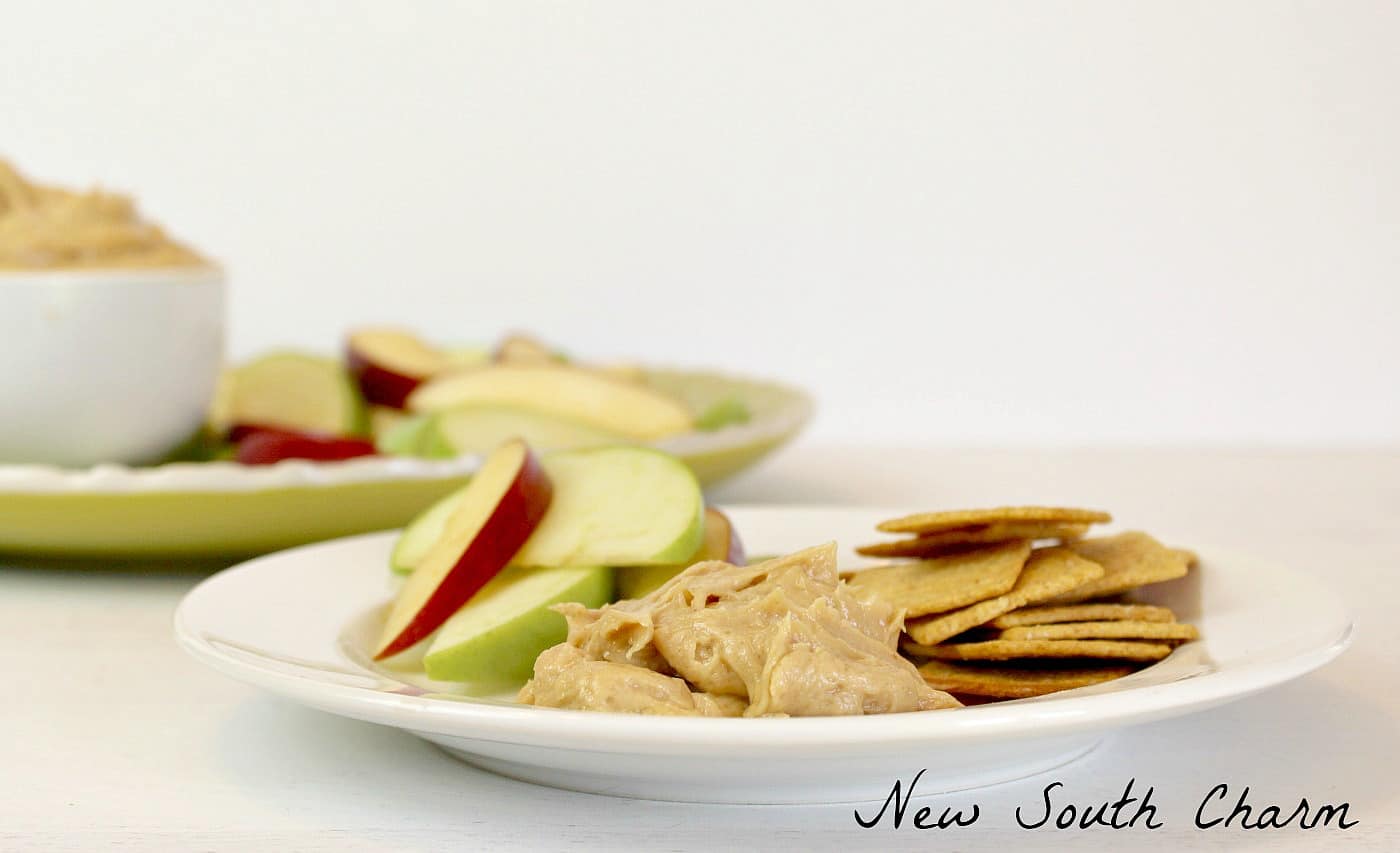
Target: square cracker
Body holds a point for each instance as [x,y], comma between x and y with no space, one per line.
[945,583]
[1092,612]
[944,541]
[932,522]
[1126,629]
[1049,572]
[1130,560]
[1012,683]
[1013,649]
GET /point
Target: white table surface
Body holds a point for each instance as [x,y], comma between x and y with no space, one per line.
[114,739]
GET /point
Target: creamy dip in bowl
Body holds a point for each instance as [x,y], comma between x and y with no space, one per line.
[111,334]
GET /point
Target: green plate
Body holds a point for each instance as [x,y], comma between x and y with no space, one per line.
[215,510]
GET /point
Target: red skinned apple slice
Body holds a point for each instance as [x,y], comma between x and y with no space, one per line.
[240,431]
[266,445]
[389,363]
[291,391]
[499,509]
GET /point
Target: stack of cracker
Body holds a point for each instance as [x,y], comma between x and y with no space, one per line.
[1013,602]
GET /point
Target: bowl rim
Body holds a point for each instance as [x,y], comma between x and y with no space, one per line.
[114,276]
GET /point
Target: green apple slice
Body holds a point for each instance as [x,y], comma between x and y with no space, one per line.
[617,506]
[480,428]
[720,542]
[290,390]
[634,411]
[422,532]
[383,420]
[493,640]
[406,438]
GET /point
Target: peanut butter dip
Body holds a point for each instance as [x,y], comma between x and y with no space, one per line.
[46,228]
[784,637]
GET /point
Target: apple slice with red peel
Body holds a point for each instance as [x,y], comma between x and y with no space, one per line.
[498,510]
[238,432]
[291,391]
[389,363]
[720,542]
[611,506]
[266,446]
[617,506]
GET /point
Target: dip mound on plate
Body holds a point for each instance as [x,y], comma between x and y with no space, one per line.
[778,638]
[44,228]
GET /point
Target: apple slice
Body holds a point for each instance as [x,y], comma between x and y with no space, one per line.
[423,532]
[497,512]
[389,363]
[266,446]
[479,428]
[292,391]
[466,356]
[405,438]
[384,420]
[494,639]
[721,542]
[622,371]
[617,506]
[525,351]
[633,411]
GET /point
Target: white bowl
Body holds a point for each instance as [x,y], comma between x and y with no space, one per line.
[108,365]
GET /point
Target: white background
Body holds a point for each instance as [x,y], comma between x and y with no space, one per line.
[1037,223]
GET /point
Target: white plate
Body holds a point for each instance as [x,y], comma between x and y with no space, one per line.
[296,623]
